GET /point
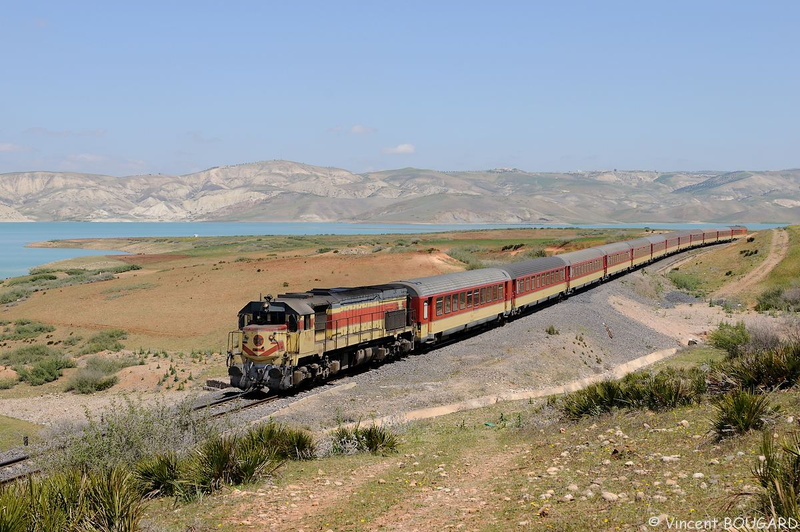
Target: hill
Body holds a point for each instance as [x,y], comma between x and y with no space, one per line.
[289,191]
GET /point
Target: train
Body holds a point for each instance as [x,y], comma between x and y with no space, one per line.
[301,338]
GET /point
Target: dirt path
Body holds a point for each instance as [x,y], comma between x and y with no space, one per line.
[778,249]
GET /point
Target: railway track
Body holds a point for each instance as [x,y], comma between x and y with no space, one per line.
[14,468]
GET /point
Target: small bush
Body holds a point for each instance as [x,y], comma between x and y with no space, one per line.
[374,439]
[16,294]
[26,329]
[87,381]
[779,477]
[45,370]
[779,298]
[128,433]
[105,341]
[759,372]
[684,281]
[285,442]
[7,384]
[468,258]
[739,412]
[729,337]
[162,475]
[551,330]
[29,354]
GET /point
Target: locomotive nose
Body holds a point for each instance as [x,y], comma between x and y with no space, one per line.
[262,344]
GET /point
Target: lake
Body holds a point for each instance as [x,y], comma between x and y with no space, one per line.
[16,259]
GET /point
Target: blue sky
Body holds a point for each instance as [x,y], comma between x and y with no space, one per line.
[176,87]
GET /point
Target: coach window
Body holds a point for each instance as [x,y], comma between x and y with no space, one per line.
[469,298]
[447,304]
[500,292]
[463,298]
[438,306]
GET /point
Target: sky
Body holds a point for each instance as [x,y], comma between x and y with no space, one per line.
[175,87]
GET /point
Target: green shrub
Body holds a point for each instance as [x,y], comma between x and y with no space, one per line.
[30,279]
[72,501]
[129,432]
[285,442]
[664,390]
[162,475]
[374,439]
[551,330]
[779,298]
[29,354]
[729,337]
[467,257]
[779,476]
[228,459]
[105,340]
[684,281]
[739,412]
[45,370]
[16,294]
[87,381]
[759,372]
[7,384]
[26,329]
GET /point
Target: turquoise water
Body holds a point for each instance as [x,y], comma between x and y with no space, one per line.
[16,259]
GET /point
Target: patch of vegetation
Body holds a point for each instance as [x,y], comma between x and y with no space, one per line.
[664,390]
[129,432]
[26,279]
[105,340]
[684,281]
[467,257]
[351,440]
[25,329]
[73,500]
[779,298]
[44,370]
[739,412]
[29,354]
[731,338]
[551,330]
[98,374]
[779,476]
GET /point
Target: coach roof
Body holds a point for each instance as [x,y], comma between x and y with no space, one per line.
[574,257]
[529,267]
[454,282]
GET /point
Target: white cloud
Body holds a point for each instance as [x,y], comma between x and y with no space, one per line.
[8,147]
[401,149]
[360,129]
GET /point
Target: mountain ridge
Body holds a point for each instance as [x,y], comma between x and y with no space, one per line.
[289,191]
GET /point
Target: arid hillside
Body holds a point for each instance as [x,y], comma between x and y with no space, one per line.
[289,191]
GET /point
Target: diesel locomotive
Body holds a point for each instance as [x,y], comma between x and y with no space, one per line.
[300,338]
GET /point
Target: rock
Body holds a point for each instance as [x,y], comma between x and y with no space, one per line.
[589,494]
[683,423]
[545,496]
[629,463]
[568,497]
[523,523]
[671,458]
[703,485]
[572,487]
[381,481]
[610,497]
[698,475]
[552,470]
[659,498]
[606,462]
[671,482]
[639,496]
